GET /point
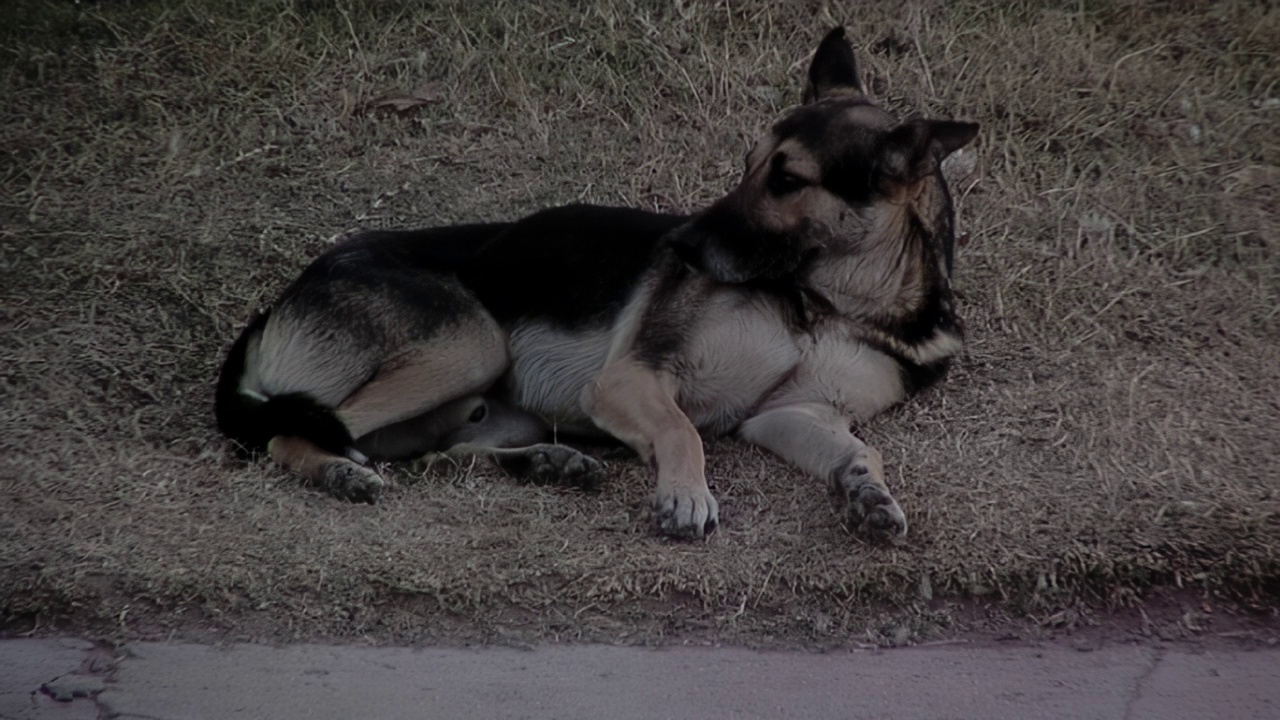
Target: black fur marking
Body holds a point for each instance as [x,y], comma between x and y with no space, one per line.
[917,377]
[780,182]
[724,244]
[944,221]
[802,305]
[833,67]
[253,422]
[573,265]
[933,315]
[665,324]
[847,151]
[674,304]
[936,314]
[856,466]
[298,415]
[443,249]
[235,413]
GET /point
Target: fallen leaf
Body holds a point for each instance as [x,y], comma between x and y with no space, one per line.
[423,95]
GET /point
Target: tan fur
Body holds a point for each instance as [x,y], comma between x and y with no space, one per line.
[636,404]
[816,438]
[419,378]
[336,475]
[426,376]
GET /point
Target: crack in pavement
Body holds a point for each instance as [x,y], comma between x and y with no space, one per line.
[69,690]
[1139,684]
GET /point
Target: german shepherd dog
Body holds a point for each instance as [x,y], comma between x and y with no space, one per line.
[814,295]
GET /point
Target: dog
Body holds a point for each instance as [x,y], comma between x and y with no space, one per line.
[814,295]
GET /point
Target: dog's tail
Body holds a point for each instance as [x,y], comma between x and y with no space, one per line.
[252,418]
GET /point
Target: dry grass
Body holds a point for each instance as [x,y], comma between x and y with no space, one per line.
[168,167]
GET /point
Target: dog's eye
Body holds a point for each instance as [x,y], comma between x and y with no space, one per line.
[782,182]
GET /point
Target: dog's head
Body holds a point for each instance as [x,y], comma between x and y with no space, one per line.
[837,177]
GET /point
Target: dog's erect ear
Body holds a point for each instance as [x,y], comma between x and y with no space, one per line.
[833,70]
[917,147]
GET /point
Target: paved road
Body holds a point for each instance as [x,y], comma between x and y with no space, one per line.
[171,681]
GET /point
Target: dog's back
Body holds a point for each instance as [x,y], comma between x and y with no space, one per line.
[364,301]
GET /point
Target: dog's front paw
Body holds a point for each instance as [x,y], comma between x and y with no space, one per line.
[346,480]
[548,464]
[869,508]
[685,512]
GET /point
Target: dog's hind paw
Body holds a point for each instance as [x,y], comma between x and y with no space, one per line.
[348,481]
[870,510]
[547,464]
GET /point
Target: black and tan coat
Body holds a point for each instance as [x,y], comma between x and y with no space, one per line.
[814,295]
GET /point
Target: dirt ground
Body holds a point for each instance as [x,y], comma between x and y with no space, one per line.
[1111,434]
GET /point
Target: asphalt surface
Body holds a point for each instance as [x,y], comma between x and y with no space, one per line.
[66,678]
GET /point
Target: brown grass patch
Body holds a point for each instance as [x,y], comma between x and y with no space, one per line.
[167,168]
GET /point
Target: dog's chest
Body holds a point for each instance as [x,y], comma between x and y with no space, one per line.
[841,370]
[734,357]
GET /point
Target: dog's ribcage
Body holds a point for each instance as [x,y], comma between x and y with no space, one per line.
[549,368]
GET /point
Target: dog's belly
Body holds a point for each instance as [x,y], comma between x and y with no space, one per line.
[549,368]
[736,356]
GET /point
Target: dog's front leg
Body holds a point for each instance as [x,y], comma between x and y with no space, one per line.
[636,404]
[816,438]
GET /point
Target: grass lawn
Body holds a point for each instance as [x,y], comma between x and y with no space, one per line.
[1112,432]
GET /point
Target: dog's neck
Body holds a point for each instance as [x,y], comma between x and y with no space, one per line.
[888,277]
[873,277]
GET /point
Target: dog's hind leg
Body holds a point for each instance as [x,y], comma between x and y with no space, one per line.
[486,427]
[636,404]
[432,431]
[342,477]
[515,439]
[436,375]
[542,463]
[816,437]
[424,376]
